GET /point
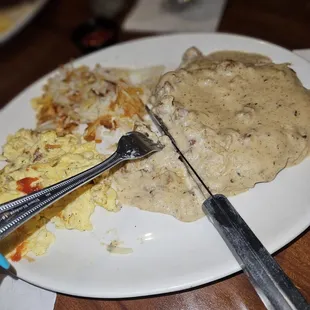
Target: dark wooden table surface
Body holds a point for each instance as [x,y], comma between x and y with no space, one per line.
[45,44]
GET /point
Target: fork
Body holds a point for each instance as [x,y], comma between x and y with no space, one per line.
[133,145]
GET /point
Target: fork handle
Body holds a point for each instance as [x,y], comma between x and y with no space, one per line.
[16,212]
[271,283]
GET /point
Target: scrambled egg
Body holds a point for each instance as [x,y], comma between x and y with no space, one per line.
[36,160]
[98,98]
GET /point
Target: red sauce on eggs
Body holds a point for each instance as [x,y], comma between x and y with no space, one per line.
[24,185]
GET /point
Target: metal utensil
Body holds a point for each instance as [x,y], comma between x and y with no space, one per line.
[270,282]
[132,145]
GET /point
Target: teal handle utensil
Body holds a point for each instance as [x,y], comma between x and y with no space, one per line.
[4,262]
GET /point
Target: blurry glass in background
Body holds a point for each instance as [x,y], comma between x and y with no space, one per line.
[106,8]
[190,9]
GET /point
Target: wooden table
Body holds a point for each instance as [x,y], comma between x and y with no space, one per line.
[45,44]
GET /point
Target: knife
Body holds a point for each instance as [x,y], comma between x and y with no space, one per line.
[272,285]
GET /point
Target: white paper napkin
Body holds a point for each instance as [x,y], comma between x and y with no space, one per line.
[19,295]
[153,16]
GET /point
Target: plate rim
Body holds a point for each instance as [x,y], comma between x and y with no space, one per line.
[188,284]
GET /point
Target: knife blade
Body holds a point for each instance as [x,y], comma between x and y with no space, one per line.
[163,129]
[272,285]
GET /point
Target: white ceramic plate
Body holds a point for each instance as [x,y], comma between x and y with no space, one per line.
[168,255]
[21,22]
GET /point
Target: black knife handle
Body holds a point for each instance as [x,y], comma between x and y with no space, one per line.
[271,283]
